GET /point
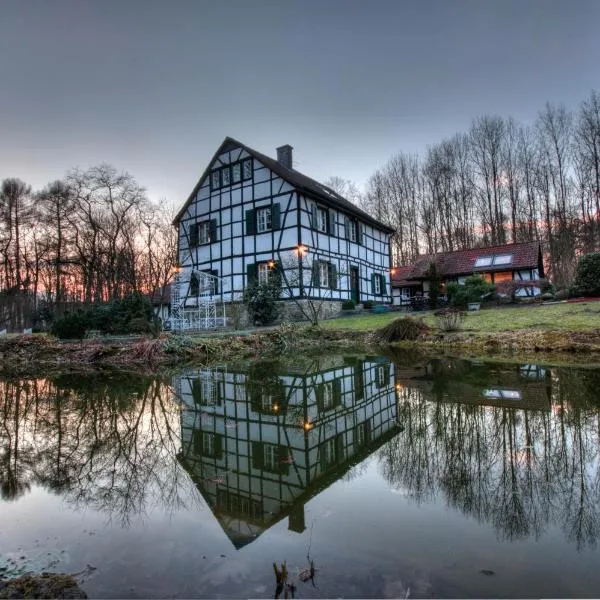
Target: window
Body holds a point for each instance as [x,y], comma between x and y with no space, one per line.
[483,261]
[502,394]
[270,454]
[321,219]
[503,259]
[215,179]
[377,284]
[352,231]
[247,168]
[360,434]
[263,272]
[380,374]
[225,176]
[208,444]
[263,219]
[327,395]
[236,173]
[328,450]
[323,274]
[204,232]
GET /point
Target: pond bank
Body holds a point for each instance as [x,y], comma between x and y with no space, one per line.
[35,354]
[46,585]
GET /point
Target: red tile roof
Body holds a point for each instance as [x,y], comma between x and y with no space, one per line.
[462,262]
[400,277]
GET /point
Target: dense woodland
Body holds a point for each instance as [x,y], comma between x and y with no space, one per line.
[94,235]
[500,182]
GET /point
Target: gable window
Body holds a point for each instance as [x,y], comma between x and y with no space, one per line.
[225,176]
[236,172]
[215,179]
[247,168]
[263,219]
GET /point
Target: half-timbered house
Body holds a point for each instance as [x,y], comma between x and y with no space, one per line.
[250,215]
[259,444]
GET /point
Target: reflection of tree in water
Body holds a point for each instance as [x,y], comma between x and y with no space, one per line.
[109,444]
[520,470]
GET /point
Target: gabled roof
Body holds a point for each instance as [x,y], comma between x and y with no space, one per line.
[301,182]
[400,277]
[526,255]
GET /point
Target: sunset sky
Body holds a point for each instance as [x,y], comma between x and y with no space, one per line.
[154,87]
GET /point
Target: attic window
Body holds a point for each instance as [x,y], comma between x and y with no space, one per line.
[483,261]
[503,259]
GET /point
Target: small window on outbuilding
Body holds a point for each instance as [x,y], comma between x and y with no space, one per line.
[483,261]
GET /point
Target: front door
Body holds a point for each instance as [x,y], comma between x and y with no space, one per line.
[354,285]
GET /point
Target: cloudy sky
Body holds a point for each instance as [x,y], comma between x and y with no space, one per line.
[154,87]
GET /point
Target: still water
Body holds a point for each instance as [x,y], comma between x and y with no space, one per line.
[421,477]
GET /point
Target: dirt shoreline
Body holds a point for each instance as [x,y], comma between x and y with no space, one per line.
[36,355]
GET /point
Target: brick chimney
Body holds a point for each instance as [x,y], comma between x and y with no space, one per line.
[284,155]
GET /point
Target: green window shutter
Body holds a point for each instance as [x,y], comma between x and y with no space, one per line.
[250,222]
[218,446]
[373,275]
[257,455]
[193,234]
[359,381]
[215,273]
[319,395]
[313,218]
[339,448]
[337,392]
[278,271]
[332,222]
[367,425]
[276,216]
[314,280]
[383,286]
[386,374]
[347,225]
[251,273]
[332,276]
[196,391]
[194,289]
[213,231]
[360,232]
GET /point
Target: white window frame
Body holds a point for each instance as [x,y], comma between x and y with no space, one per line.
[377,285]
[262,272]
[323,274]
[321,219]
[246,169]
[507,259]
[380,376]
[208,444]
[215,179]
[236,169]
[270,457]
[353,226]
[483,261]
[328,449]
[204,232]
[327,394]
[360,434]
[263,219]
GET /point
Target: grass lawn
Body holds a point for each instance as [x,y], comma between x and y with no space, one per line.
[583,316]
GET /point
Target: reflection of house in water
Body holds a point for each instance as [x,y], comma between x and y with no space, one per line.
[261,442]
[468,382]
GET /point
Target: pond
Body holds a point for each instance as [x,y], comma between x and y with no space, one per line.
[412,477]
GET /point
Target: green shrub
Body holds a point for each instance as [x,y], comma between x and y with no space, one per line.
[261,299]
[71,326]
[475,289]
[561,295]
[348,305]
[368,304]
[587,278]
